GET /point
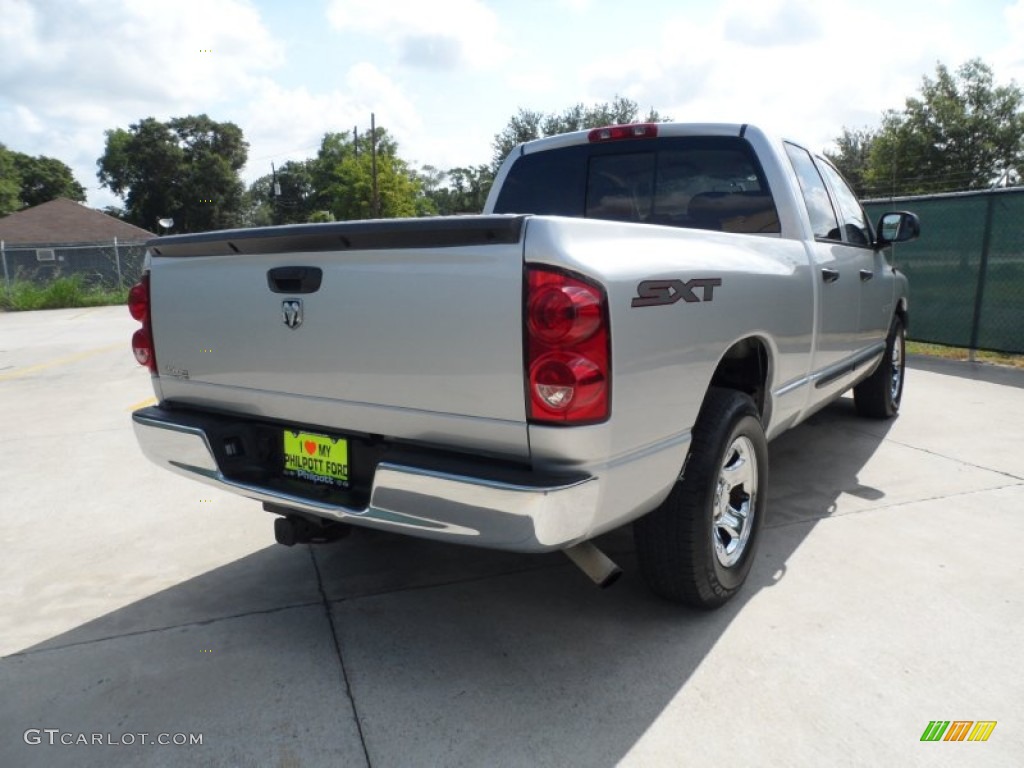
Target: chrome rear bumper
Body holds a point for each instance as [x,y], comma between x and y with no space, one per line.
[541,515]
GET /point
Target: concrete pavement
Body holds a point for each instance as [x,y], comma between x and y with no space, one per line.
[887,594]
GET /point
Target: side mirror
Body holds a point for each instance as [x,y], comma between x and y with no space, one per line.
[897,227]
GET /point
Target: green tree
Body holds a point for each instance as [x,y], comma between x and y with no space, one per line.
[853,156]
[44,179]
[26,181]
[186,168]
[342,176]
[215,154]
[527,124]
[460,190]
[141,166]
[292,201]
[961,132]
[10,184]
[257,208]
[337,184]
[432,189]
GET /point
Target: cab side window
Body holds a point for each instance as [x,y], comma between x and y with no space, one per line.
[819,205]
[856,228]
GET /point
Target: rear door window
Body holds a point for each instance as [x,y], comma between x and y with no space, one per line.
[824,222]
[856,228]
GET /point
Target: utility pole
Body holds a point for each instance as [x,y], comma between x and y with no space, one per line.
[275,196]
[373,164]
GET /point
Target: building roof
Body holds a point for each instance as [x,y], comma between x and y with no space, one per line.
[65,222]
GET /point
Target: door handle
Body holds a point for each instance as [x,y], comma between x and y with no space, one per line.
[865,275]
[829,275]
[294,279]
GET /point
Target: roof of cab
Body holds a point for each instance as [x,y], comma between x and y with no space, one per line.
[664,129]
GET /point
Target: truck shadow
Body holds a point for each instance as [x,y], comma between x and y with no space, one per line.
[454,656]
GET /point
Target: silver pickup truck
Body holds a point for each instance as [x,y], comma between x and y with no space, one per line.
[637,312]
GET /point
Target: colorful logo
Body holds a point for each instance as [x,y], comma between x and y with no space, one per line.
[958,730]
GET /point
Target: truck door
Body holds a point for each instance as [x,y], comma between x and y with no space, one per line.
[836,265]
[872,270]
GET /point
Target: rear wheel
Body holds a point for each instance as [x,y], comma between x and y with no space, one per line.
[698,546]
[879,395]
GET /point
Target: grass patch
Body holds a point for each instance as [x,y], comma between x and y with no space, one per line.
[59,294]
[959,353]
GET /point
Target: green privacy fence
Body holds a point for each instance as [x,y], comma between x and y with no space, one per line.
[967,269]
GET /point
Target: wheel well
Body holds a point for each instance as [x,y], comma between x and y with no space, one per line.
[902,314]
[744,367]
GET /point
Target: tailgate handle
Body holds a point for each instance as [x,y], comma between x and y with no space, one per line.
[294,279]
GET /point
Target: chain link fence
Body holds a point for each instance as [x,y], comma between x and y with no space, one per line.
[106,266]
[966,271]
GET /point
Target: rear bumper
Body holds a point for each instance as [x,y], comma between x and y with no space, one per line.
[523,512]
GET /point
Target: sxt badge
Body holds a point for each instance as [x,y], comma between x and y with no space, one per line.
[651,293]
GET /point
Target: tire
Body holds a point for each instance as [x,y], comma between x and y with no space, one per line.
[879,395]
[698,546]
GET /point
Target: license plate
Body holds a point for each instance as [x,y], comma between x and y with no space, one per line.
[319,459]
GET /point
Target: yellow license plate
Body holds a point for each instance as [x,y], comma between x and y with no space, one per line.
[317,458]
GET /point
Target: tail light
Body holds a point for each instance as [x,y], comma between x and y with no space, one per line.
[568,349]
[139,308]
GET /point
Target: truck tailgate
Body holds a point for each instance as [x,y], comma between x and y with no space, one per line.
[414,331]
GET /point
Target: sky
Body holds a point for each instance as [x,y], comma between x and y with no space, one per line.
[444,76]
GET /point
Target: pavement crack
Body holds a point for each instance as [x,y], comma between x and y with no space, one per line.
[153,630]
[939,455]
[450,582]
[961,461]
[341,659]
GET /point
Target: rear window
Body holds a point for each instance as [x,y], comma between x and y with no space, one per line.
[702,182]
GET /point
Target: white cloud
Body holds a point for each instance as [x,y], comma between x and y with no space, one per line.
[372,90]
[822,78]
[68,75]
[531,79]
[118,50]
[771,23]
[70,70]
[287,124]
[1009,60]
[442,34]
[443,79]
[28,119]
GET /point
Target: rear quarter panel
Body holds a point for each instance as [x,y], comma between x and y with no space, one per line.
[663,357]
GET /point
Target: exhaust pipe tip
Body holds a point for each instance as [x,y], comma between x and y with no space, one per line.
[611,578]
[294,529]
[600,568]
[285,531]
